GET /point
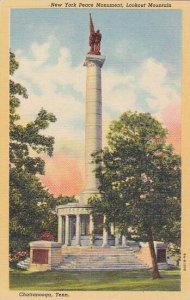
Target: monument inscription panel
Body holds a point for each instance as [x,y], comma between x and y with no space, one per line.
[40,256]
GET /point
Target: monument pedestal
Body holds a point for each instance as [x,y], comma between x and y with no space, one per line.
[45,255]
[86,195]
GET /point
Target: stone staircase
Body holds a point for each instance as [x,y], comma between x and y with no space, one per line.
[98,258]
[24,264]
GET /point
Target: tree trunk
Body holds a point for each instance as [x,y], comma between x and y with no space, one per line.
[155,271]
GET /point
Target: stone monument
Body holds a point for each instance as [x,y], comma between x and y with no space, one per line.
[84,243]
[75,224]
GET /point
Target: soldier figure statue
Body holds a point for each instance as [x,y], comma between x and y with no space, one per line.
[94,39]
[98,38]
[92,42]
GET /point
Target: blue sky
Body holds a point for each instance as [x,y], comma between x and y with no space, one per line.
[128,35]
[142,72]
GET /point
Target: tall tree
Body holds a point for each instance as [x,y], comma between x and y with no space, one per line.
[31,205]
[139,178]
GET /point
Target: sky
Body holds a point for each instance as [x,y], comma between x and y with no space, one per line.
[142,72]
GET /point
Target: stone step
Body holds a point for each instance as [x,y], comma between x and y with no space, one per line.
[94,247]
[91,257]
[124,268]
[103,265]
[100,262]
[101,269]
[99,253]
[99,250]
[108,259]
[99,258]
[24,264]
[118,260]
[114,266]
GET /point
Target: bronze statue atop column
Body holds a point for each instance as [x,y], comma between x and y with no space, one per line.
[94,39]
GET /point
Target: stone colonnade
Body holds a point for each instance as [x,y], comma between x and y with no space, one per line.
[78,213]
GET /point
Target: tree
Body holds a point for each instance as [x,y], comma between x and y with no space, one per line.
[139,178]
[31,205]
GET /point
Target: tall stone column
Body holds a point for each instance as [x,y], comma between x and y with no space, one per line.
[93,128]
[66,230]
[77,230]
[60,229]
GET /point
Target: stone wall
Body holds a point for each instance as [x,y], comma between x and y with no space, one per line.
[55,256]
[144,255]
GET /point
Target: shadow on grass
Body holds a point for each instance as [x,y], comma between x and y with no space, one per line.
[95,281]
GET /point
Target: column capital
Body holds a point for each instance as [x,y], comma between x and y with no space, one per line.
[94,60]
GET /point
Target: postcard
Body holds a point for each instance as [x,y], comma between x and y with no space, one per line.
[95,149]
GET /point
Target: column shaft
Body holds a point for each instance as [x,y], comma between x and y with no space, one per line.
[77,230]
[66,230]
[93,131]
[60,229]
[123,241]
[117,236]
[105,235]
[91,229]
[112,229]
[93,124]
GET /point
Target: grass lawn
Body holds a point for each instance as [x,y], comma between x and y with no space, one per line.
[94,281]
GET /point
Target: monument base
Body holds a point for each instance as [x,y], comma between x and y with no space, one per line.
[86,195]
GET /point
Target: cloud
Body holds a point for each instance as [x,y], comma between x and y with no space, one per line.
[148,88]
[63,175]
[154,80]
[172,120]
[40,52]
[59,87]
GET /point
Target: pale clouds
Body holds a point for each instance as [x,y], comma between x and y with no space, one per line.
[40,52]
[52,86]
[155,81]
[59,87]
[63,175]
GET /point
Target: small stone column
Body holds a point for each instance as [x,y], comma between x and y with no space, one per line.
[77,230]
[117,236]
[123,241]
[91,229]
[112,229]
[105,235]
[60,229]
[66,230]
